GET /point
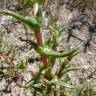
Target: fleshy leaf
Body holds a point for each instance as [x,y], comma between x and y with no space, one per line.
[31,22]
[66,70]
[48,52]
[40,16]
[67,85]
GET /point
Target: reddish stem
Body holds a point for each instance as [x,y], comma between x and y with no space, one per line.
[40,43]
[38,38]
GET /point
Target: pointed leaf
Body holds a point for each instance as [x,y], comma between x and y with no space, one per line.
[31,22]
[66,85]
[66,70]
[28,3]
[74,54]
[34,80]
[39,16]
[48,52]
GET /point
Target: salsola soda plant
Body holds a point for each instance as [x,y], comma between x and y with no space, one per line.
[45,82]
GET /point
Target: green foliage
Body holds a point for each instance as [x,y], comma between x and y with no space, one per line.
[23,65]
[31,22]
[54,40]
[50,53]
